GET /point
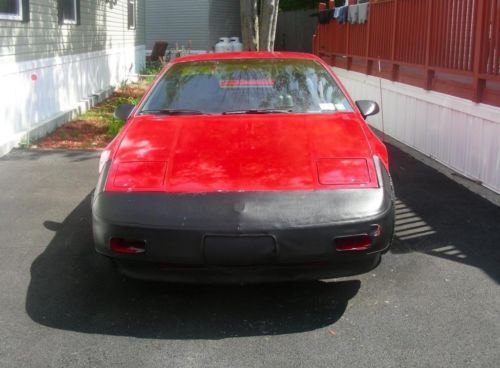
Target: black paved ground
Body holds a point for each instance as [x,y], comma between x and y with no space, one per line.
[433,302]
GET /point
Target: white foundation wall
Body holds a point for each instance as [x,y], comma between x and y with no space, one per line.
[461,134]
[64,86]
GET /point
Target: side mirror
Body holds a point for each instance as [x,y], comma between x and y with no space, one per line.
[367,108]
[123,111]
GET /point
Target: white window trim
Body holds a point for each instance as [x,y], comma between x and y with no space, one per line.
[10,16]
[72,21]
[135,14]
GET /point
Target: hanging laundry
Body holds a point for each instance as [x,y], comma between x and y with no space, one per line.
[324,16]
[341,14]
[331,13]
[363,13]
[336,12]
[353,14]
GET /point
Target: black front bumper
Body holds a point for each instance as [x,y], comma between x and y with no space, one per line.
[204,274]
[208,237]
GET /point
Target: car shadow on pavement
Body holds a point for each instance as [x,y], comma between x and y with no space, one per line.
[437,216]
[73,288]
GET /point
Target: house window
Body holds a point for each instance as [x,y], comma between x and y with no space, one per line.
[131,14]
[13,9]
[69,11]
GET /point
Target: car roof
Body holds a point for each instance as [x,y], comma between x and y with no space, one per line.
[246,55]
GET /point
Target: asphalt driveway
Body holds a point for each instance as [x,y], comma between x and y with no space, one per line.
[433,302]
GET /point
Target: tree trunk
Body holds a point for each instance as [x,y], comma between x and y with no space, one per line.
[268,20]
[274,24]
[249,24]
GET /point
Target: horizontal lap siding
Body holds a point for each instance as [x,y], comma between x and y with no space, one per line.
[224,20]
[140,30]
[102,27]
[178,22]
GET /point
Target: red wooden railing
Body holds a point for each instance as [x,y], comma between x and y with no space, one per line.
[450,46]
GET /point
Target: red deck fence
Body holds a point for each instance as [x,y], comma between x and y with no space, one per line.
[450,46]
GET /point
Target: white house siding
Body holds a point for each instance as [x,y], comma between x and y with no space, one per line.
[458,133]
[71,63]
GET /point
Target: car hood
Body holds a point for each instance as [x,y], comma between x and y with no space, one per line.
[242,153]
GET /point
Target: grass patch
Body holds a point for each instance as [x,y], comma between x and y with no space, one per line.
[114,127]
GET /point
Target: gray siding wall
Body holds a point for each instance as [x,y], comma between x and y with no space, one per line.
[103,26]
[223,20]
[201,21]
[177,21]
[140,30]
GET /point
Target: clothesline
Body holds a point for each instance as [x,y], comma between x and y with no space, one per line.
[354,14]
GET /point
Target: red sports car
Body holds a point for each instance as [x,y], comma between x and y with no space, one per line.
[244,167]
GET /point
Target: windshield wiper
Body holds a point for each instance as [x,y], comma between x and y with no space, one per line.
[258,111]
[172,112]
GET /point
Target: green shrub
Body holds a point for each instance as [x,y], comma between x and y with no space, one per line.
[114,126]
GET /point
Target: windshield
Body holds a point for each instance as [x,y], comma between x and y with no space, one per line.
[246,86]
